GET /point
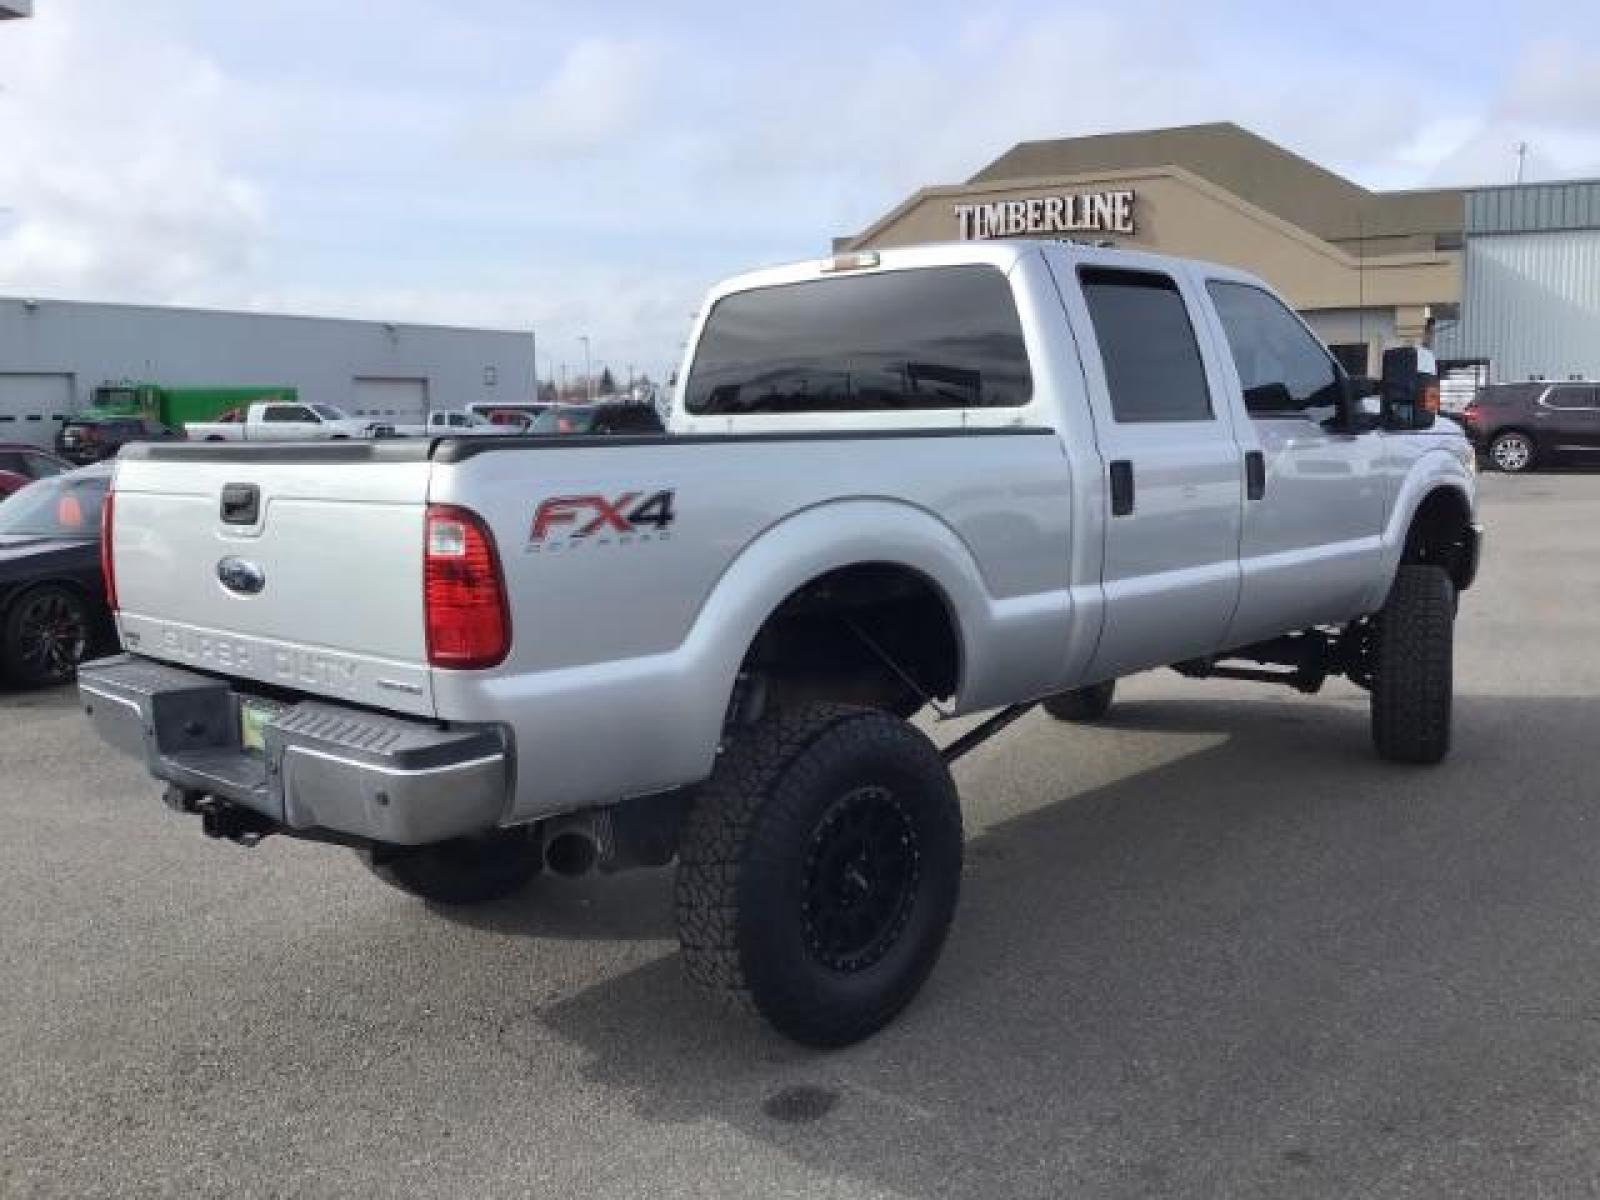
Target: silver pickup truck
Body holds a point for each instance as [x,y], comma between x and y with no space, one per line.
[947,478]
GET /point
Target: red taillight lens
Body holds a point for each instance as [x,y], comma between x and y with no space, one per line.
[464,599]
[108,570]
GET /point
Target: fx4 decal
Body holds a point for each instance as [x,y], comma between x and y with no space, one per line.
[571,521]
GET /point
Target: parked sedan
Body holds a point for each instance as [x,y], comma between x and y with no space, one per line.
[52,603]
[94,439]
[21,464]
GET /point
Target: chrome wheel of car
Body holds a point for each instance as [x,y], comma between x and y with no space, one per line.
[1512,452]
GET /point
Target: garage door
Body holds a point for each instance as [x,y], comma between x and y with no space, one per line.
[32,407]
[404,399]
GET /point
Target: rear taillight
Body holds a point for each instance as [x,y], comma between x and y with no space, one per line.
[464,598]
[108,568]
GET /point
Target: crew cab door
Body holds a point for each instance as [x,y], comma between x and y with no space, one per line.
[1317,497]
[1173,472]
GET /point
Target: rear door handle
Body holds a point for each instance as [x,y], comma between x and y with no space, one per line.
[1121,487]
[1255,474]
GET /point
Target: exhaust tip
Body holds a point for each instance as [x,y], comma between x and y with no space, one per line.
[571,854]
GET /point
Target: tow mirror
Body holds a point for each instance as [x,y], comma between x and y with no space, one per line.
[1410,388]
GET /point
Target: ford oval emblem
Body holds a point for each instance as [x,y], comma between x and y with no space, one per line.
[240,576]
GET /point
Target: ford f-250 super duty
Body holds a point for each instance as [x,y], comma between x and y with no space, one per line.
[960,477]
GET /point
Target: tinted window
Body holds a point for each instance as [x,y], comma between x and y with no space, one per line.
[1147,346]
[1571,397]
[13,462]
[287,412]
[1284,370]
[41,467]
[66,506]
[564,419]
[946,337]
[628,418]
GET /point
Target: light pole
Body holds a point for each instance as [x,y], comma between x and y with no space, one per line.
[588,370]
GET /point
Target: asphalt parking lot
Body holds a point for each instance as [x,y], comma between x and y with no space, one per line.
[1213,948]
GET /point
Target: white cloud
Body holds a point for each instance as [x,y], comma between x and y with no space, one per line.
[115,187]
[597,99]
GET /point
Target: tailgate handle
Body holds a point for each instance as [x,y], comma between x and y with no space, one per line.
[241,504]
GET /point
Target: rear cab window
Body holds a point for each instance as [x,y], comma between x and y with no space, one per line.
[912,340]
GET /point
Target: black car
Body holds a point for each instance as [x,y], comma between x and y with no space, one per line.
[52,602]
[1518,425]
[598,418]
[93,439]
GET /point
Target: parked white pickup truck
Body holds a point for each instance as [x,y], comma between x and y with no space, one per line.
[284,422]
[468,422]
[953,478]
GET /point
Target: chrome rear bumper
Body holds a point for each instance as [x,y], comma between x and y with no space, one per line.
[322,766]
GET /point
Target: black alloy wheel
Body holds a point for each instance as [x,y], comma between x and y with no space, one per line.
[47,635]
[861,875]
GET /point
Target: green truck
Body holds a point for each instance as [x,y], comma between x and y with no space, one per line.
[175,407]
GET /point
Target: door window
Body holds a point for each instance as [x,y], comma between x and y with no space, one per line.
[1147,346]
[1284,369]
[287,412]
[39,466]
[1571,397]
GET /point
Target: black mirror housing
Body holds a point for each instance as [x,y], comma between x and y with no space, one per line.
[1410,388]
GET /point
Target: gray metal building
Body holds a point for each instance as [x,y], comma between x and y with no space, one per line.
[1530,303]
[54,353]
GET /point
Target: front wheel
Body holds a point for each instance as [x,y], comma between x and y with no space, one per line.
[1512,453]
[462,871]
[46,635]
[818,871]
[1412,653]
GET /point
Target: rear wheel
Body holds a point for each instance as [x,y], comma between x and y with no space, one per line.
[1084,704]
[1412,652]
[46,635]
[819,870]
[462,871]
[1512,453]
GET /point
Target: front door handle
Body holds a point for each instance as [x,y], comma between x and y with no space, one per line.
[1255,475]
[1121,487]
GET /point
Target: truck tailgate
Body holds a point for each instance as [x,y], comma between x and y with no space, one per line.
[311,581]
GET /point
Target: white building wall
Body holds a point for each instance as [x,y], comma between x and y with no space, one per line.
[91,344]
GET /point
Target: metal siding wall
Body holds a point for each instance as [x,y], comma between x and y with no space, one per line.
[1534,207]
[1531,304]
[97,343]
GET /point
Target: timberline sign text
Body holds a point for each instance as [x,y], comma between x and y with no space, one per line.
[1087,212]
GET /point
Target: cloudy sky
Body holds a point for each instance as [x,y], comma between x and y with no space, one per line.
[591,168]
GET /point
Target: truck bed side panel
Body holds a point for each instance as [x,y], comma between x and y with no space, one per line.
[626,643]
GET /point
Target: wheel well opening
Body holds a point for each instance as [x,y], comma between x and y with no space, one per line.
[876,634]
[1439,534]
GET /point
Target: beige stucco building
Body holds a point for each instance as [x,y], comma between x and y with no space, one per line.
[1368,269]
